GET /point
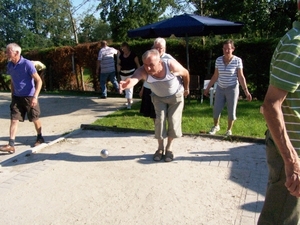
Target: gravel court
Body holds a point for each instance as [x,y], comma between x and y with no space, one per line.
[60,116]
[67,182]
[209,182]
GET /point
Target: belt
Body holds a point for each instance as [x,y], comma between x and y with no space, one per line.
[127,71]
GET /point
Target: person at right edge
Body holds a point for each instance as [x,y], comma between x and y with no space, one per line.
[281,110]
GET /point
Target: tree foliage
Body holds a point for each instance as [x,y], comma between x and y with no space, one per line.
[124,15]
[92,30]
[262,18]
[33,23]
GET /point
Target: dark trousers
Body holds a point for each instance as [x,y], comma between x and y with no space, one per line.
[280,207]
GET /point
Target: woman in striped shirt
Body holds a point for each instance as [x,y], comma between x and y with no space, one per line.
[228,75]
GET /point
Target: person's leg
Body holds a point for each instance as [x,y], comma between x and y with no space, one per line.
[114,81]
[160,126]
[218,107]
[128,92]
[280,207]
[17,113]
[219,104]
[169,144]
[160,143]
[230,124]
[38,126]
[161,111]
[216,121]
[160,150]
[12,136]
[174,115]
[129,96]
[33,114]
[13,129]
[232,96]
[103,79]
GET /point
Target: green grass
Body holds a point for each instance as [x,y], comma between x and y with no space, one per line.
[197,118]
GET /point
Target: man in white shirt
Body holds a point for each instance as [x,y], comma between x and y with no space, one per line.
[106,67]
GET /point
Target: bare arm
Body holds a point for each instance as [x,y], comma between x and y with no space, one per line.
[137,63]
[213,80]
[242,81]
[178,70]
[118,64]
[275,121]
[138,74]
[38,85]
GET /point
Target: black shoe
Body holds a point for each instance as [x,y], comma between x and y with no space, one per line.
[103,97]
[39,141]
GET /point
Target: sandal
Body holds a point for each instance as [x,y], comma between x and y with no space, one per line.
[158,155]
[169,156]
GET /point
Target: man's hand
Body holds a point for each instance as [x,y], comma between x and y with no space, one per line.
[206,92]
[122,86]
[186,92]
[293,178]
[34,101]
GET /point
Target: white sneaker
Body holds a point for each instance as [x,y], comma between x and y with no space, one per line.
[130,102]
[214,129]
[129,106]
[228,133]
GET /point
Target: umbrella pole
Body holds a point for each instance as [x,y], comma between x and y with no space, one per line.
[187,52]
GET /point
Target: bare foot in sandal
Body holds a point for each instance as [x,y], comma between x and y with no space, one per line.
[158,155]
[169,156]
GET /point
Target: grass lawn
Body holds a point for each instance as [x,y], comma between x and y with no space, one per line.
[197,118]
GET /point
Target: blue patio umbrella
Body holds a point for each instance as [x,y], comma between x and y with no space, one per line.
[186,25]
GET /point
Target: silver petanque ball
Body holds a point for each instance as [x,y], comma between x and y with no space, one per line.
[104,153]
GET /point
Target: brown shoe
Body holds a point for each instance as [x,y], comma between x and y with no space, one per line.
[39,141]
[7,148]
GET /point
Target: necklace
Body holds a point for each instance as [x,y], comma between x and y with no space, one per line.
[227,60]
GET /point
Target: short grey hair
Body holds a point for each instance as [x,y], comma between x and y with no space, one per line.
[161,41]
[14,47]
[149,53]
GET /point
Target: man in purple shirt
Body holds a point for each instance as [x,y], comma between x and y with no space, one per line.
[25,88]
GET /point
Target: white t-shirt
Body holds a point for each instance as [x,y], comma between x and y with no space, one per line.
[106,57]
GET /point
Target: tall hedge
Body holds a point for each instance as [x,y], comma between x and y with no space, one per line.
[62,75]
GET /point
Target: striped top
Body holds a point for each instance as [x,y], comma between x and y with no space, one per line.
[106,56]
[285,74]
[228,73]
